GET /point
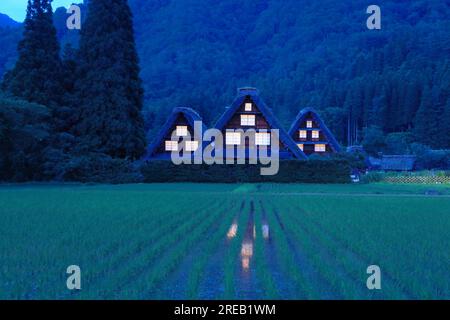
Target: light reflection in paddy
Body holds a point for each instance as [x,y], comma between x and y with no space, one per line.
[265,231]
[232,231]
[246,253]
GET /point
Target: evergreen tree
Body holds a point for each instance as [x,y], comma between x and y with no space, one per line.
[426,121]
[378,114]
[108,90]
[412,102]
[445,125]
[373,140]
[353,106]
[64,117]
[36,76]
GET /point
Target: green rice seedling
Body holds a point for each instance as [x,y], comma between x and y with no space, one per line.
[262,269]
[166,263]
[213,243]
[304,288]
[322,261]
[406,236]
[354,265]
[151,256]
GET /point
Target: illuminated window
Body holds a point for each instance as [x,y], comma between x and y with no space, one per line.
[315,134]
[247,120]
[262,139]
[248,106]
[300,145]
[233,138]
[320,148]
[182,131]
[171,145]
[191,145]
[303,134]
[309,124]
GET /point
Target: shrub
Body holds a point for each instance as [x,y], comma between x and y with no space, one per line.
[356,160]
[398,143]
[24,132]
[372,177]
[431,159]
[373,140]
[94,167]
[290,171]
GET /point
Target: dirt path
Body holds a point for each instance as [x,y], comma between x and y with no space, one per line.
[250,192]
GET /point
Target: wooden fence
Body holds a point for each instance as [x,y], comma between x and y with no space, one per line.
[418,179]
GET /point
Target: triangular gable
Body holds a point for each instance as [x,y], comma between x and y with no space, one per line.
[267,114]
[189,114]
[302,117]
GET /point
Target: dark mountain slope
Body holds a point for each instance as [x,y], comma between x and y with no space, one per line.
[299,53]
[6,21]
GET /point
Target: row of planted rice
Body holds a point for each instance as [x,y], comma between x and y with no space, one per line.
[137,243]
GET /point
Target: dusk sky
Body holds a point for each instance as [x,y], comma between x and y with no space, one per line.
[16,9]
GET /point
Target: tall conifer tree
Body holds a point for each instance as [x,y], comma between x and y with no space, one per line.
[36,76]
[426,121]
[108,90]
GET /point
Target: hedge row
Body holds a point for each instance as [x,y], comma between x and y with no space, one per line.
[290,171]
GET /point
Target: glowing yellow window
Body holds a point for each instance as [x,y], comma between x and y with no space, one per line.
[171,145]
[315,134]
[247,120]
[262,139]
[303,134]
[233,138]
[309,124]
[300,145]
[191,145]
[248,106]
[320,148]
[182,131]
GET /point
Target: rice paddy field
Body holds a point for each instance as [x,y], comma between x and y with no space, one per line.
[219,241]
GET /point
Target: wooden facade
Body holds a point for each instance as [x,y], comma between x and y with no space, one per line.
[311,135]
[177,131]
[248,111]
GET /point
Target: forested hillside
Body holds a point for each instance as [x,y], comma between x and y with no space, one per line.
[9,37]
[6,21]
[299,53]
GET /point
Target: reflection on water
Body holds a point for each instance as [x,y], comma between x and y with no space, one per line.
[232,231]
[246,254]
[247,243]
[265,231]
